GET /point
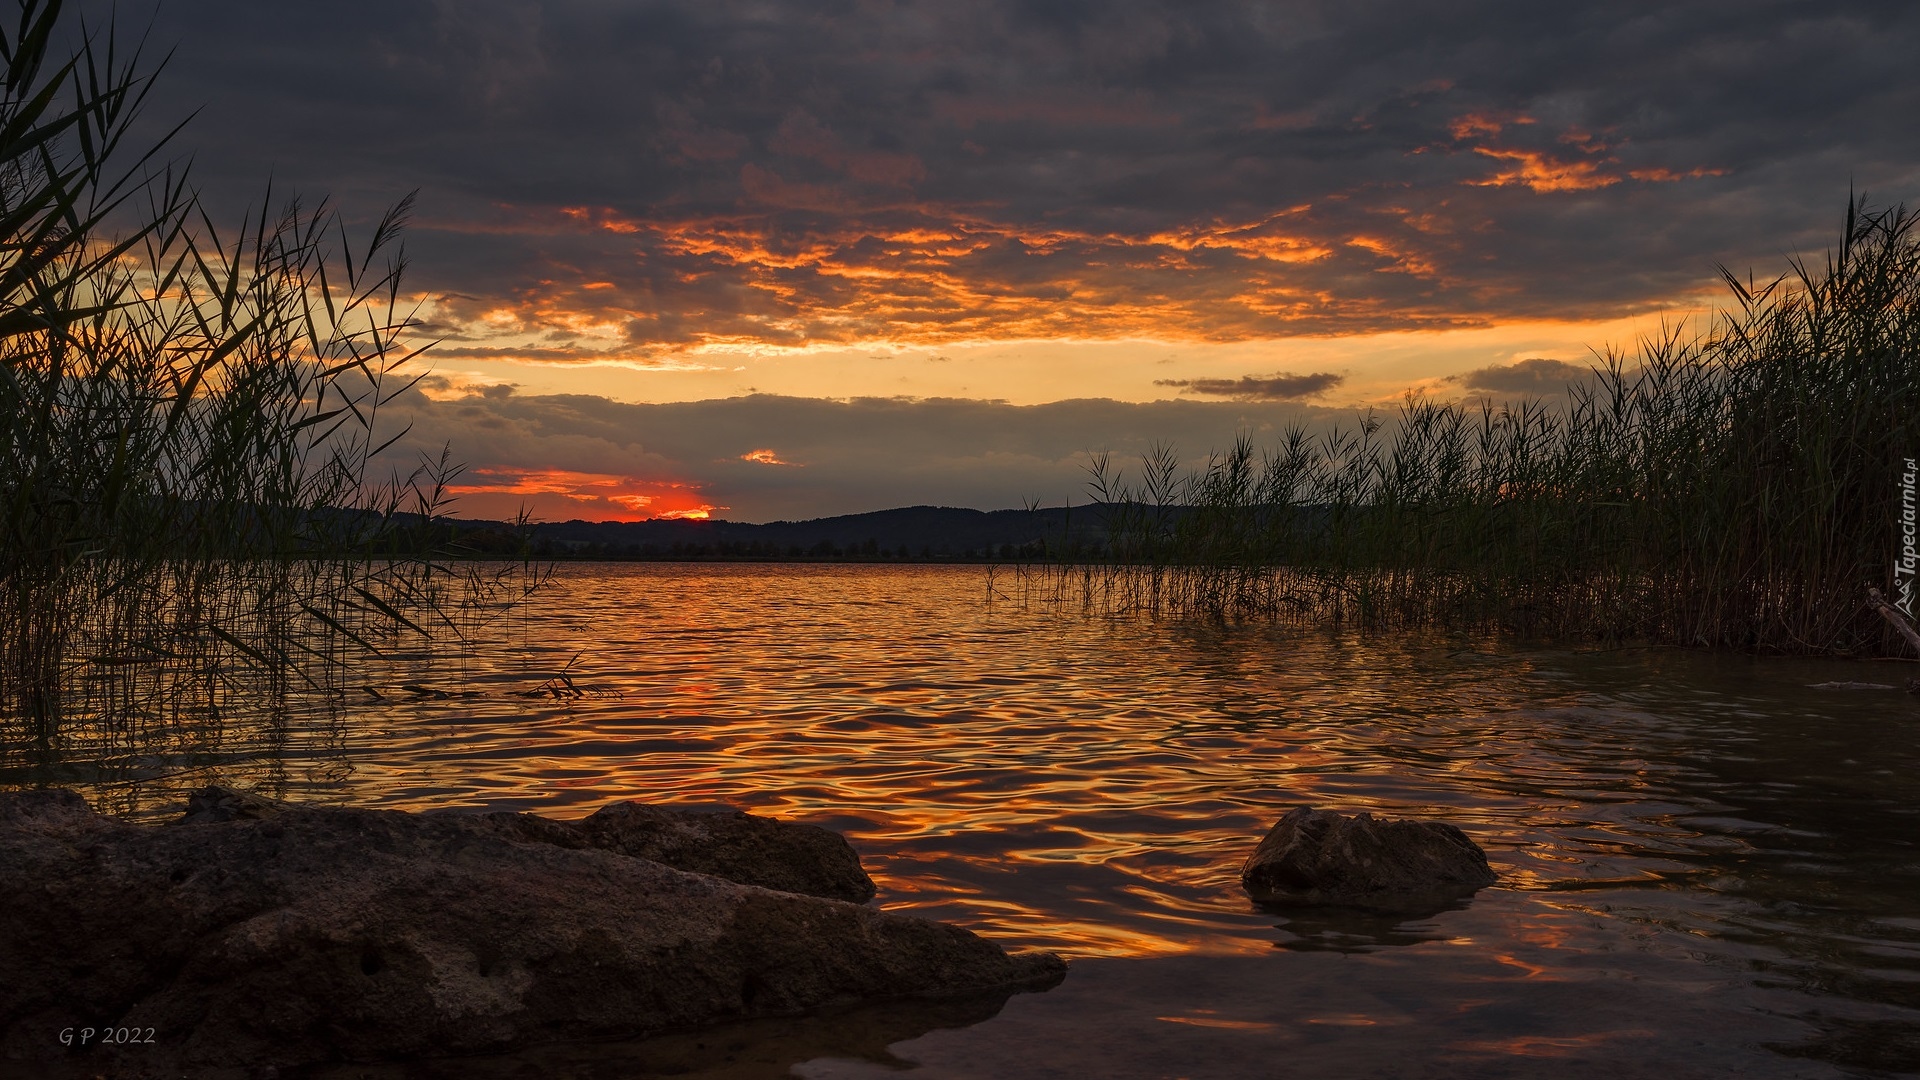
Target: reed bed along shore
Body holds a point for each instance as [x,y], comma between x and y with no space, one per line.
[1739,488]
[187,423]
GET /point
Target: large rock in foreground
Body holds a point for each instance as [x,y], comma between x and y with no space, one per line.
[782,855]
[1318,857]
[286,935]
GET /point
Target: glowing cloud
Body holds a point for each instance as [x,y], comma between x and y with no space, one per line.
[1473,125]
[502,492]
[1542,173]
[799,177]
[767,457]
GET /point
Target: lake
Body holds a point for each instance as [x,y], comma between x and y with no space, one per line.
[1709,864]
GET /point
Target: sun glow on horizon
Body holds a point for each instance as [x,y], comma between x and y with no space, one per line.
[1376,368]
[503,492]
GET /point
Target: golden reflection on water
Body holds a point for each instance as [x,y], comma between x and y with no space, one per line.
[1093,786]
[1218,1022]
[1542,1046]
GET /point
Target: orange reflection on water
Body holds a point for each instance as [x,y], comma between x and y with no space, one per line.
[1217,1022]
[1089,786]
[1549,1046]
[1531,970]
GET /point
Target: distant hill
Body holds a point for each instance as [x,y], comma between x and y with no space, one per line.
[912,533]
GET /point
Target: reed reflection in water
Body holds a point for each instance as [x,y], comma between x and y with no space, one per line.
[1701,856]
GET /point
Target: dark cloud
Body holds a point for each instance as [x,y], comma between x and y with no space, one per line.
[1260,388]
[579,455]
[1535,376]
[918,170]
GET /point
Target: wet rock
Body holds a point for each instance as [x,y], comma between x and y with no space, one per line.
[319,934]
[740,847]
[763,1048]
[215,803]
[1318,857]
[49,810]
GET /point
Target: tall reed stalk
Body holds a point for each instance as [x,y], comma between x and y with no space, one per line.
[186,424]
[1734,489]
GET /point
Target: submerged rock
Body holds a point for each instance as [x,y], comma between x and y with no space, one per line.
[312,934]
[1318,857]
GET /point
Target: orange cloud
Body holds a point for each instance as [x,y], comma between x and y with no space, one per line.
[1402,261]
[1476,124]
[1587,141]
[942,279]
[1542,173]
[915,275]
[766,457]
[1262,239]
[600,219]
[502,492]
[694,291]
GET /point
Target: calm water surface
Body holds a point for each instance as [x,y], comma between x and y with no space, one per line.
[1708,866]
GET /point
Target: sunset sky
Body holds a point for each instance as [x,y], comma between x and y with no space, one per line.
[771,260]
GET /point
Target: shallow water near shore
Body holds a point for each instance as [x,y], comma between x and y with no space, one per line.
[1709,865]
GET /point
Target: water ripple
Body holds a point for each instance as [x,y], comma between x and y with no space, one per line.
[1093,786]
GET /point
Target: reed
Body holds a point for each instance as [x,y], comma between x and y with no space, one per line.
[1731,489]
[187,420]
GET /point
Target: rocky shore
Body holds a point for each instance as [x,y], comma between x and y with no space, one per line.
[253,934]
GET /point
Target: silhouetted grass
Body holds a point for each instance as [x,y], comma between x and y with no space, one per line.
[1735,489]
[187,420]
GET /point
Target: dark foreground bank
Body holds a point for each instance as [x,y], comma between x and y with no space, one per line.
[249,936]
